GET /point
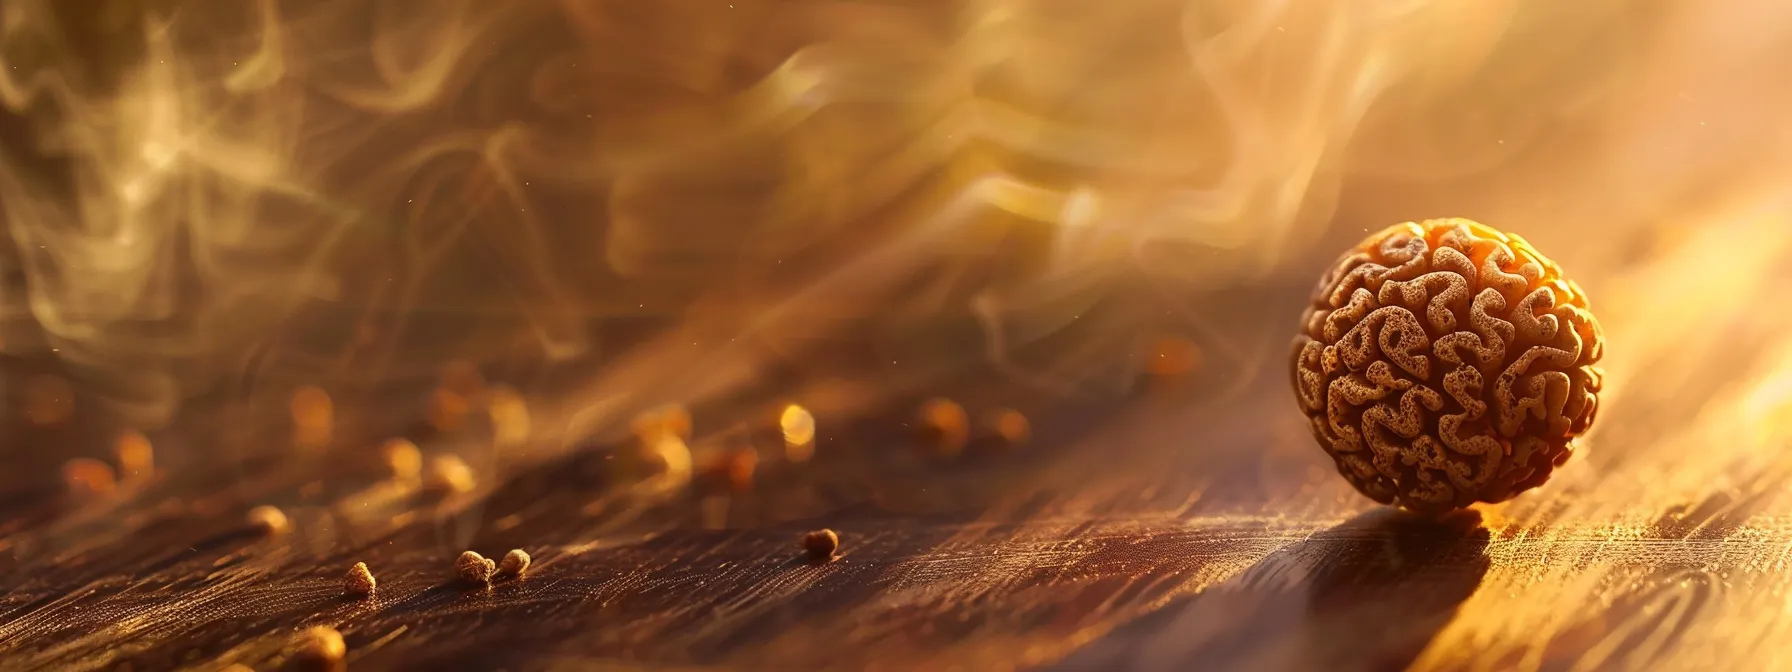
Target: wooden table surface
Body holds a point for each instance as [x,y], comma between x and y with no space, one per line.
[722,192]
[1175,527]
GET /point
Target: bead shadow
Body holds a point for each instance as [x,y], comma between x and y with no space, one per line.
[1368,594]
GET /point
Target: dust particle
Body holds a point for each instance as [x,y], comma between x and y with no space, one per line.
[358,581]
[472,567]
[514,563]
[821,544]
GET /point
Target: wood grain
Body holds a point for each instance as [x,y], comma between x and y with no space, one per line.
[1161,531]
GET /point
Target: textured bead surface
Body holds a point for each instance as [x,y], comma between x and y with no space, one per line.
[1444,363]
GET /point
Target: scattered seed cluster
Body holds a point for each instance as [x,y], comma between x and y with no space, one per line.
[324,648]
[473,568]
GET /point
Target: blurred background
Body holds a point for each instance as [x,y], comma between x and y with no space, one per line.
[507,230]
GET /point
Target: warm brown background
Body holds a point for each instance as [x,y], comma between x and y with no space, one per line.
[858,205]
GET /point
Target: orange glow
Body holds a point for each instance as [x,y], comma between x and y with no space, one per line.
[268,520]
[448,409]
[946,425]
[313,417]
[136,457]
[403,459]
[463,378]
[666,421]
[738,467]
[799,433]
[1172,357]
[86,476]
[448,474]
[510,417]
[1012,427]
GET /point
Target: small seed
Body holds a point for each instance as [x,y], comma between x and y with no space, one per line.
[472,567]
[358,581]
[514,563]
[268,520]
[320,648]
[821,544]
